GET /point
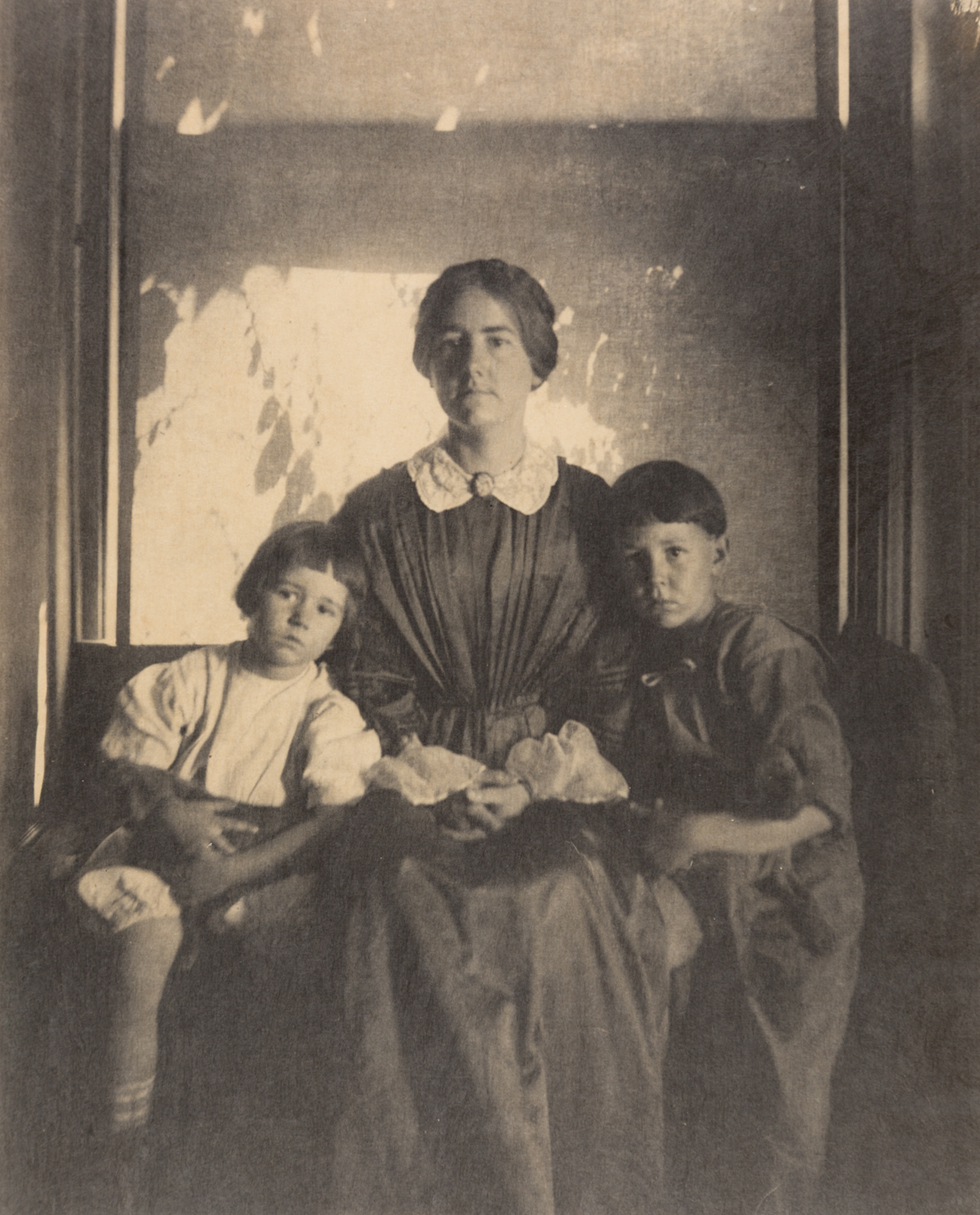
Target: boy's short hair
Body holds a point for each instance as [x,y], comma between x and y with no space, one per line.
[666,491]
[315,545]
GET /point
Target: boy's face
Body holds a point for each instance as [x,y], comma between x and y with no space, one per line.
[296,621]
[671,571]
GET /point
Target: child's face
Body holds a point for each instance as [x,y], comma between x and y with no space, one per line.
[296,620]
[671,571]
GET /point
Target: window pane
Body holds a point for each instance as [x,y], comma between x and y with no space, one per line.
[276,400]
[211,61]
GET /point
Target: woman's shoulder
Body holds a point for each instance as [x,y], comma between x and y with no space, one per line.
[580,480]
[586,499]
[384,485]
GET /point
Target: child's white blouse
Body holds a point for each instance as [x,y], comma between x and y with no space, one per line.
[209,720]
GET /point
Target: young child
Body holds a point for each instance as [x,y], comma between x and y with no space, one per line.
[717,715]
[233,761]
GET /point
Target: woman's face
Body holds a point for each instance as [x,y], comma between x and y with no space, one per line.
[479,367]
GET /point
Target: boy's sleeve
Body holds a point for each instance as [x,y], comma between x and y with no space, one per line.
[339,750]
[793,739]
[155,712]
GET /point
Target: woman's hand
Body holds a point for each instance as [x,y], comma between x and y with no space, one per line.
[493,797]
[199,824]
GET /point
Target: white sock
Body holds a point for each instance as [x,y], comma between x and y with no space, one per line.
[131,1104]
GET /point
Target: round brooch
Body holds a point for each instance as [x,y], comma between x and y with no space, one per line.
[482,485]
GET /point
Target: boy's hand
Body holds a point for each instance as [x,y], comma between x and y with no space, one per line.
[670,841]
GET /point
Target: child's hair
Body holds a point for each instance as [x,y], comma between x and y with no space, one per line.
[310,544]
[666,491]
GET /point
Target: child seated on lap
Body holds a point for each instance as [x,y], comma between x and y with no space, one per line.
[717,715]
[234,761]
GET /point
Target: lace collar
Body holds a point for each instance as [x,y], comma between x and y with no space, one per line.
[443,485]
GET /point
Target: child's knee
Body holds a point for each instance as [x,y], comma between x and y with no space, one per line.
[147,950]
[123,895]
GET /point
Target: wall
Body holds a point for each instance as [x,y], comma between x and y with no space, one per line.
[299,172]
[944,594]
[693,268]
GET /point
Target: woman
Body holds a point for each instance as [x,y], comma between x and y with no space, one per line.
[481,547]
[504,997]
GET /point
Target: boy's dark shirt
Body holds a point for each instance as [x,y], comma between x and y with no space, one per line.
[730,716]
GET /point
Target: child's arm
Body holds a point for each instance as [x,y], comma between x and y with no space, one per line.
[155,714]
[781,727]
[339,750]
[676,843]
[213,873]
[195,819]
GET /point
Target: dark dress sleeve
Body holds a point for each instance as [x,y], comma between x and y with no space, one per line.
[383,683]
[601,693]
[382,674]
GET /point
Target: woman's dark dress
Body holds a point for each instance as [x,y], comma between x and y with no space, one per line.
[504,1000]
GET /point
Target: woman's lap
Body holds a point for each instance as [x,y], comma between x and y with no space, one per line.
[507,1011]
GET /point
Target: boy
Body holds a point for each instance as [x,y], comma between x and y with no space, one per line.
[716,714]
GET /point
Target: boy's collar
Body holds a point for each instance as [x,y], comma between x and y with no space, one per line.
[679,642]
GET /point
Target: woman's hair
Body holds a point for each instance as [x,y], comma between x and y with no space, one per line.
[310,544]
[510,285]
[666,491]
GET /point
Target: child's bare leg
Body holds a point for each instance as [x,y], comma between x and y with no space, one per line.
[146,953]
